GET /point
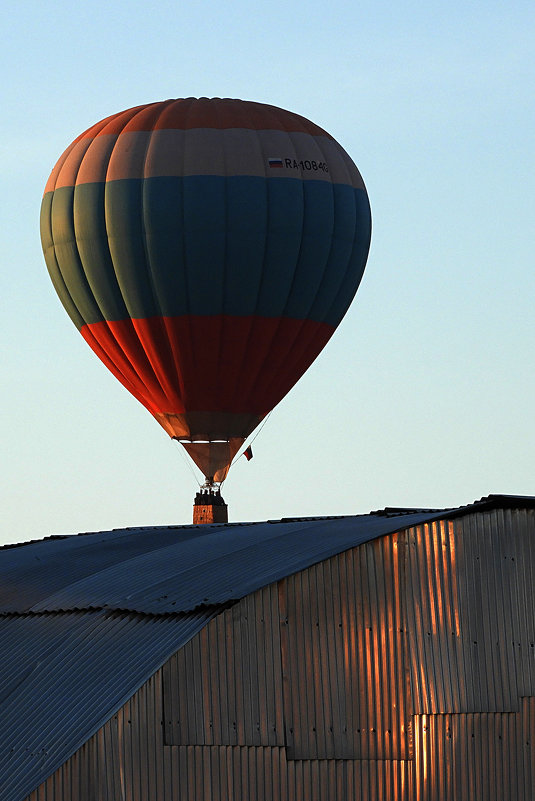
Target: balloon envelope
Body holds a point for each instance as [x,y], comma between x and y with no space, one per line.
[206,249]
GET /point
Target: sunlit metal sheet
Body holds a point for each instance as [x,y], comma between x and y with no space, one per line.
[479,755]
[471,612]
[335,631]
[343,643]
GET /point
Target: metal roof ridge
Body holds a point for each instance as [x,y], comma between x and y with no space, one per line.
[490,500]
[202,529]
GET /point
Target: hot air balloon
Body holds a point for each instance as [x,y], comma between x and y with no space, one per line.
[206,249]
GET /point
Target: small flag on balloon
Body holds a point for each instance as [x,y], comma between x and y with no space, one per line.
[248,453]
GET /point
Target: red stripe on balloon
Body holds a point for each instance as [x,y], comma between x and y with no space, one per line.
[217,363]
[108,350]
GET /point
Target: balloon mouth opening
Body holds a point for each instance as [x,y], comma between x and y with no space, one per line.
[212,456]
[198,441]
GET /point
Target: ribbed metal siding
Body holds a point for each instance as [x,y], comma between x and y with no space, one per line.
[243,773]
[127,761]
[471,612]
[233,674]
[78,682]
[483,755]
[94,773]
[339,646]
[346,688]
[432,619]
[446,581]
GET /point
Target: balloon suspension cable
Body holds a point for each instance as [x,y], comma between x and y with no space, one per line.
[210,485]
[186,459]
[264,421]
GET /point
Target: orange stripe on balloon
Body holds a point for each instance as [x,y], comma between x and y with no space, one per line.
[188,113]
[113,124]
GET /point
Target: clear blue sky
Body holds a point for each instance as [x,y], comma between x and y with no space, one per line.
[425,395]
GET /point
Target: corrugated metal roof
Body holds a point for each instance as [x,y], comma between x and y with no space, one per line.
[87,619]
[61,673]
[165,570]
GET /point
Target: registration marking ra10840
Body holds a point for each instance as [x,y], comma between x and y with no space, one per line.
[305,165]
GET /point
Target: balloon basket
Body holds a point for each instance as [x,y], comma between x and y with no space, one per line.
[209,506]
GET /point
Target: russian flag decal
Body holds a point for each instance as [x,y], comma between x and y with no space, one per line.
[275,162]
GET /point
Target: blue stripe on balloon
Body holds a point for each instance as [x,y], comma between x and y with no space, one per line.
[208,245]
[357,262]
